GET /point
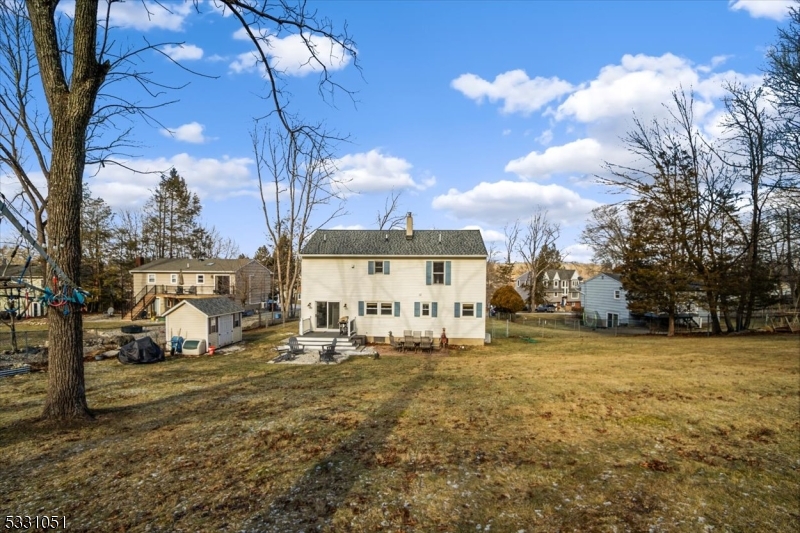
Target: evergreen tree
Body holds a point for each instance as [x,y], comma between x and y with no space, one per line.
[170,226]
[97,230]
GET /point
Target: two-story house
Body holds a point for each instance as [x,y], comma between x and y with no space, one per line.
[161,284]
[561,287]
[396,280]
[604,301]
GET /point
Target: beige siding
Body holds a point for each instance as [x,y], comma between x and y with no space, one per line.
[187,322]
[347,281]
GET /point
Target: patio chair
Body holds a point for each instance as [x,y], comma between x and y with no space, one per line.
[408,343]
[295,348]
[426,343]
[396,345]
[406,333]
[326,354]
[428,333]
[417,338]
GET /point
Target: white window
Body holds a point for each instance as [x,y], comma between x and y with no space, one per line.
[212,325]
[616,295]
[426,309]
[372,308]
[201,278]
[151,278]
[237,319]
[379,267]
[438,272]
[467,309]
[386,308]
[574,282]
[564,283]
[173,278]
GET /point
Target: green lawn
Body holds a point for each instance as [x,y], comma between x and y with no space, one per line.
[571,433]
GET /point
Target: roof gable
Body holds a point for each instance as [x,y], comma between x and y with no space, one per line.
[379,243]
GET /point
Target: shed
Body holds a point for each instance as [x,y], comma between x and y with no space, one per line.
[218,321]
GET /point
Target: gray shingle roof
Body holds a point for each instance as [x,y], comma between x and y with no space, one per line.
[388,243]
[215,306]
[193,265]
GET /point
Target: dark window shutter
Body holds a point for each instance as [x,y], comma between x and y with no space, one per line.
[386,267]
[434,309]
[360,308]
[457,310]
[479,309]
[428,272]
[370,267]
[447,272]
[397,309]
[416,308]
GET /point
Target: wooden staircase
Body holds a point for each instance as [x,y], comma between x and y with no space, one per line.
[142,304]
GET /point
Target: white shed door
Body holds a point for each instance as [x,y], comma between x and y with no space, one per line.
[225,330]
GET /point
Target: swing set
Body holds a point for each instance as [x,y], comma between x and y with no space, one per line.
[16,289]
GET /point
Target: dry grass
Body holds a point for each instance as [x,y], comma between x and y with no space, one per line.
[590,433]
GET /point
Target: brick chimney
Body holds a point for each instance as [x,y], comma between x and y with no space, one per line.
[409,226]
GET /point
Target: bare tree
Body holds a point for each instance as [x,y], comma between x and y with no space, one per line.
[75,58]
[296,177]
[538,249]
[607,234]
[389,218]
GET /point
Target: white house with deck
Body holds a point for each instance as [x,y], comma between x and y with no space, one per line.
[395,280]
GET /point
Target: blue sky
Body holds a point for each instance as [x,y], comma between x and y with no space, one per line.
[475,111]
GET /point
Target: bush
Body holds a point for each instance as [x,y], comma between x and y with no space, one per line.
[507,300]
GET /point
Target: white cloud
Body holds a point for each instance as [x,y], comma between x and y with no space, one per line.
[503,201]
[291,54]
[506,132]
[545,138]
[489,235]
[183,52]
[519,93]
[375,172]
[773,9]
[643,84]
[585,156]
[190,133]
[210,178]
[342,226]
[578,253]
[142,16]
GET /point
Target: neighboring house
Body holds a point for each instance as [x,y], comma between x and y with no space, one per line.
[26,301]
[161,284]
[396,280]
[218,321]
[561,287]
[604,301]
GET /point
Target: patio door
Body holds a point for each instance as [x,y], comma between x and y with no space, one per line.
[327,315]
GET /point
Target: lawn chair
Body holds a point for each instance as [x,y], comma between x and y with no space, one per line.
[295,348]
[426,343]
[396,345]
[326,354]
[408,342]
[429,334]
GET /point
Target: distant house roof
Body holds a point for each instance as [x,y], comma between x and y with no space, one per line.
[611,275]
[194,265]
[563,273]
[34,270]
[211,306]
[387,243]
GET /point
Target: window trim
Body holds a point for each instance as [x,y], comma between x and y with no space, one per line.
[464,310]
[423,307]
[386,309]
[201,279]
[213,325]
[151,278]
[372,306]
[378,268]
[173,279]
[617,294]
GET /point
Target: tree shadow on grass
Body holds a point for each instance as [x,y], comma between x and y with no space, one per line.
[309,505]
